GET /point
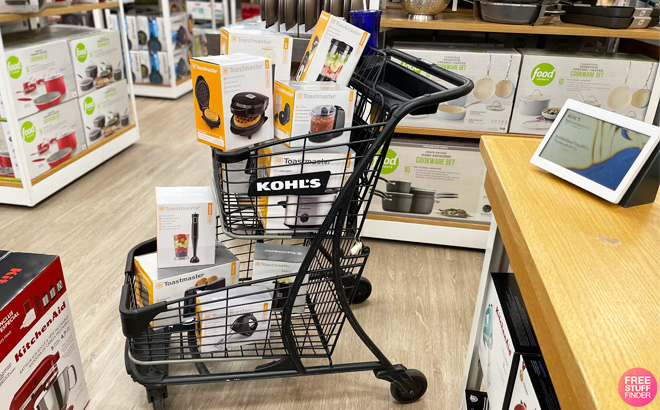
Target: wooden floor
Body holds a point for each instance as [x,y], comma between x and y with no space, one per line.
[419,313]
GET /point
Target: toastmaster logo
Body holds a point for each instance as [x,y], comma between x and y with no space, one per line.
[225,71]
[161,208]
[233,38]
[267,64]
[159,285]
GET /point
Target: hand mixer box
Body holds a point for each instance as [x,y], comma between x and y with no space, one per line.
[275,46]
[39,358]
[232,96]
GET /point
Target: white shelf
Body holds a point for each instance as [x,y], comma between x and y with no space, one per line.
[163,91]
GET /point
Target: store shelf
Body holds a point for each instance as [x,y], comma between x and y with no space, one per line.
[57,11]
[435,222]
[455,133]
[452,21]
[173,92]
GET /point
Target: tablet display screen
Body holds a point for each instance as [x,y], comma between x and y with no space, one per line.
[596,149]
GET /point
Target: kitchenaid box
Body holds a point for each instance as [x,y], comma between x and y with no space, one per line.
[39,357]
[232,100]
[272,260]
[333,51]
[619,83]
[186,226]
[475,400]
[506,334]
[488,107]
[532,387]
[97,60]
[105,111]
[275,46]
[301,108]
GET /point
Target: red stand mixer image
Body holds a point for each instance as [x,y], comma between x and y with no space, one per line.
[45,389]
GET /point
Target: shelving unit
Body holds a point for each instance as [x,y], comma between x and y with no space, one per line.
[454,133]
[58,11]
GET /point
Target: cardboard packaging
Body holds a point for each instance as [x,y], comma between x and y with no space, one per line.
[475,400]
[272,260]
[97,60]
[333,51]
[39,352]
[50,137]
[181,63]
[159,73]
[532,387]
[9,168]
[232,98]
[29,6]
[619,84]
[143,31]
[186,226]
[507,333]
[105,111]
[275,46]
[136,67]
[131,29]
[304,107]
[488,107]
[145,65]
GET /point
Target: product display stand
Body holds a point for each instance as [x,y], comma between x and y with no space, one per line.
[30,191]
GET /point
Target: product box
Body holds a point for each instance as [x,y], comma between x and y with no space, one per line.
[9,169]
[532,387]
[494,73]
[105,111]
[97,60]
[618,83]
[301,108]
[159,73]
[232,99]
[143,31]
[145,65]
[272,260]
[275,46]
[475,400]
[182,63]
[136,67]
[433,179]
[27,6]
[186,226]
[181,25]
[39,356]
[333,51]
[506,334]
[131,29]
[51,137]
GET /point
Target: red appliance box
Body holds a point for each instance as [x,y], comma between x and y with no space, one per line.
[40,366]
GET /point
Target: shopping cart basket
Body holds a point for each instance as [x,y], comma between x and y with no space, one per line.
[306,200]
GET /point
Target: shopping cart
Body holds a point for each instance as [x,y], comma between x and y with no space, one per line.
[321,204]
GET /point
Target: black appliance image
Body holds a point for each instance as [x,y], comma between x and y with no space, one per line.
[305,59]
[285,115]
[203,96]
[194,234]
[248,110]
[244,325]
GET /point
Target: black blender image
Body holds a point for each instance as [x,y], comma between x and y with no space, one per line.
[326,118]
[306,57]
[334,61]
[194,235]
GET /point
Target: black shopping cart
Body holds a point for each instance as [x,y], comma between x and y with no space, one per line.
[298,195]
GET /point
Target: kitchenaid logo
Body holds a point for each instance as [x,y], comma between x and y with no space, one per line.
[38,333]
[543,74]
[7,320]
[89,106]
[9,275]
[506,339]
[28,131]
[245,68]
[81,52]
[14,67]
[312,183]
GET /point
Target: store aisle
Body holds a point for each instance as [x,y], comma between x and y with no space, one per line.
[419,313]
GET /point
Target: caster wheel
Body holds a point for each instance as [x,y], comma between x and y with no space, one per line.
[158,403]
[416,391]
[362,291]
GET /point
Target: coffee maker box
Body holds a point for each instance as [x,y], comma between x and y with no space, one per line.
[39,356]
[275,46]
[186,225]
[105,111]
[532,386]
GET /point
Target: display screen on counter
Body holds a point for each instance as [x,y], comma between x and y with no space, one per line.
[598,150]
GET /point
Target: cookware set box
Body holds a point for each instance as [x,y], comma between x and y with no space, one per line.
[105,111]
[40,366]
[97,60]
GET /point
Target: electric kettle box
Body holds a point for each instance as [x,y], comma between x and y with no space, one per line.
[475,400]
[301,108]
[275,46]
[186,225]
[233,96]
[97,60]
[271,260]
[488,106]
[506,333]
[333,51]
[620,83]
[39,356]
[532,386]
[105,111]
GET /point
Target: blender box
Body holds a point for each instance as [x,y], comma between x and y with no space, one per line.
[620,83]
[185,219]
[97,60]
[275,46]
[506,334]
[105,111]
[475,400]
[232,95]
[333,51]
[532,386]
[272,260]
[494,73]
[301,108]
[39,356]
[51,137]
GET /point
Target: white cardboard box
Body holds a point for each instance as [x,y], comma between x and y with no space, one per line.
[29,6]
[105,111]
[97,60]
[136,67]
[271,260]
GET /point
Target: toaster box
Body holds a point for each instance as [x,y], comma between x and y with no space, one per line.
[51,137]
[39,356]
[105,111]
[619,83]
[26,6]
[432,179]
[301,108]
[186,226]
[275,46]
[506,334]
[494,73]
[532,386]
[476,400]
[271,260]
[97,60]
[232,98]
[333,51]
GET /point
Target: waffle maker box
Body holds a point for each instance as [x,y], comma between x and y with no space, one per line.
[301,108]
[97,60]
[506,334]
[333,51]
[39,357]
[105,111]
[532,387]
[232,97]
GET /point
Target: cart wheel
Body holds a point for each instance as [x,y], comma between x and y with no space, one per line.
[158,402]
[363,290]
[417,390]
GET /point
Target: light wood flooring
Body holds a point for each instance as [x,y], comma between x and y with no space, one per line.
[419,313]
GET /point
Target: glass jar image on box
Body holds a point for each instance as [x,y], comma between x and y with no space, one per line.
[181,246]
[334,61]
[326,118]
